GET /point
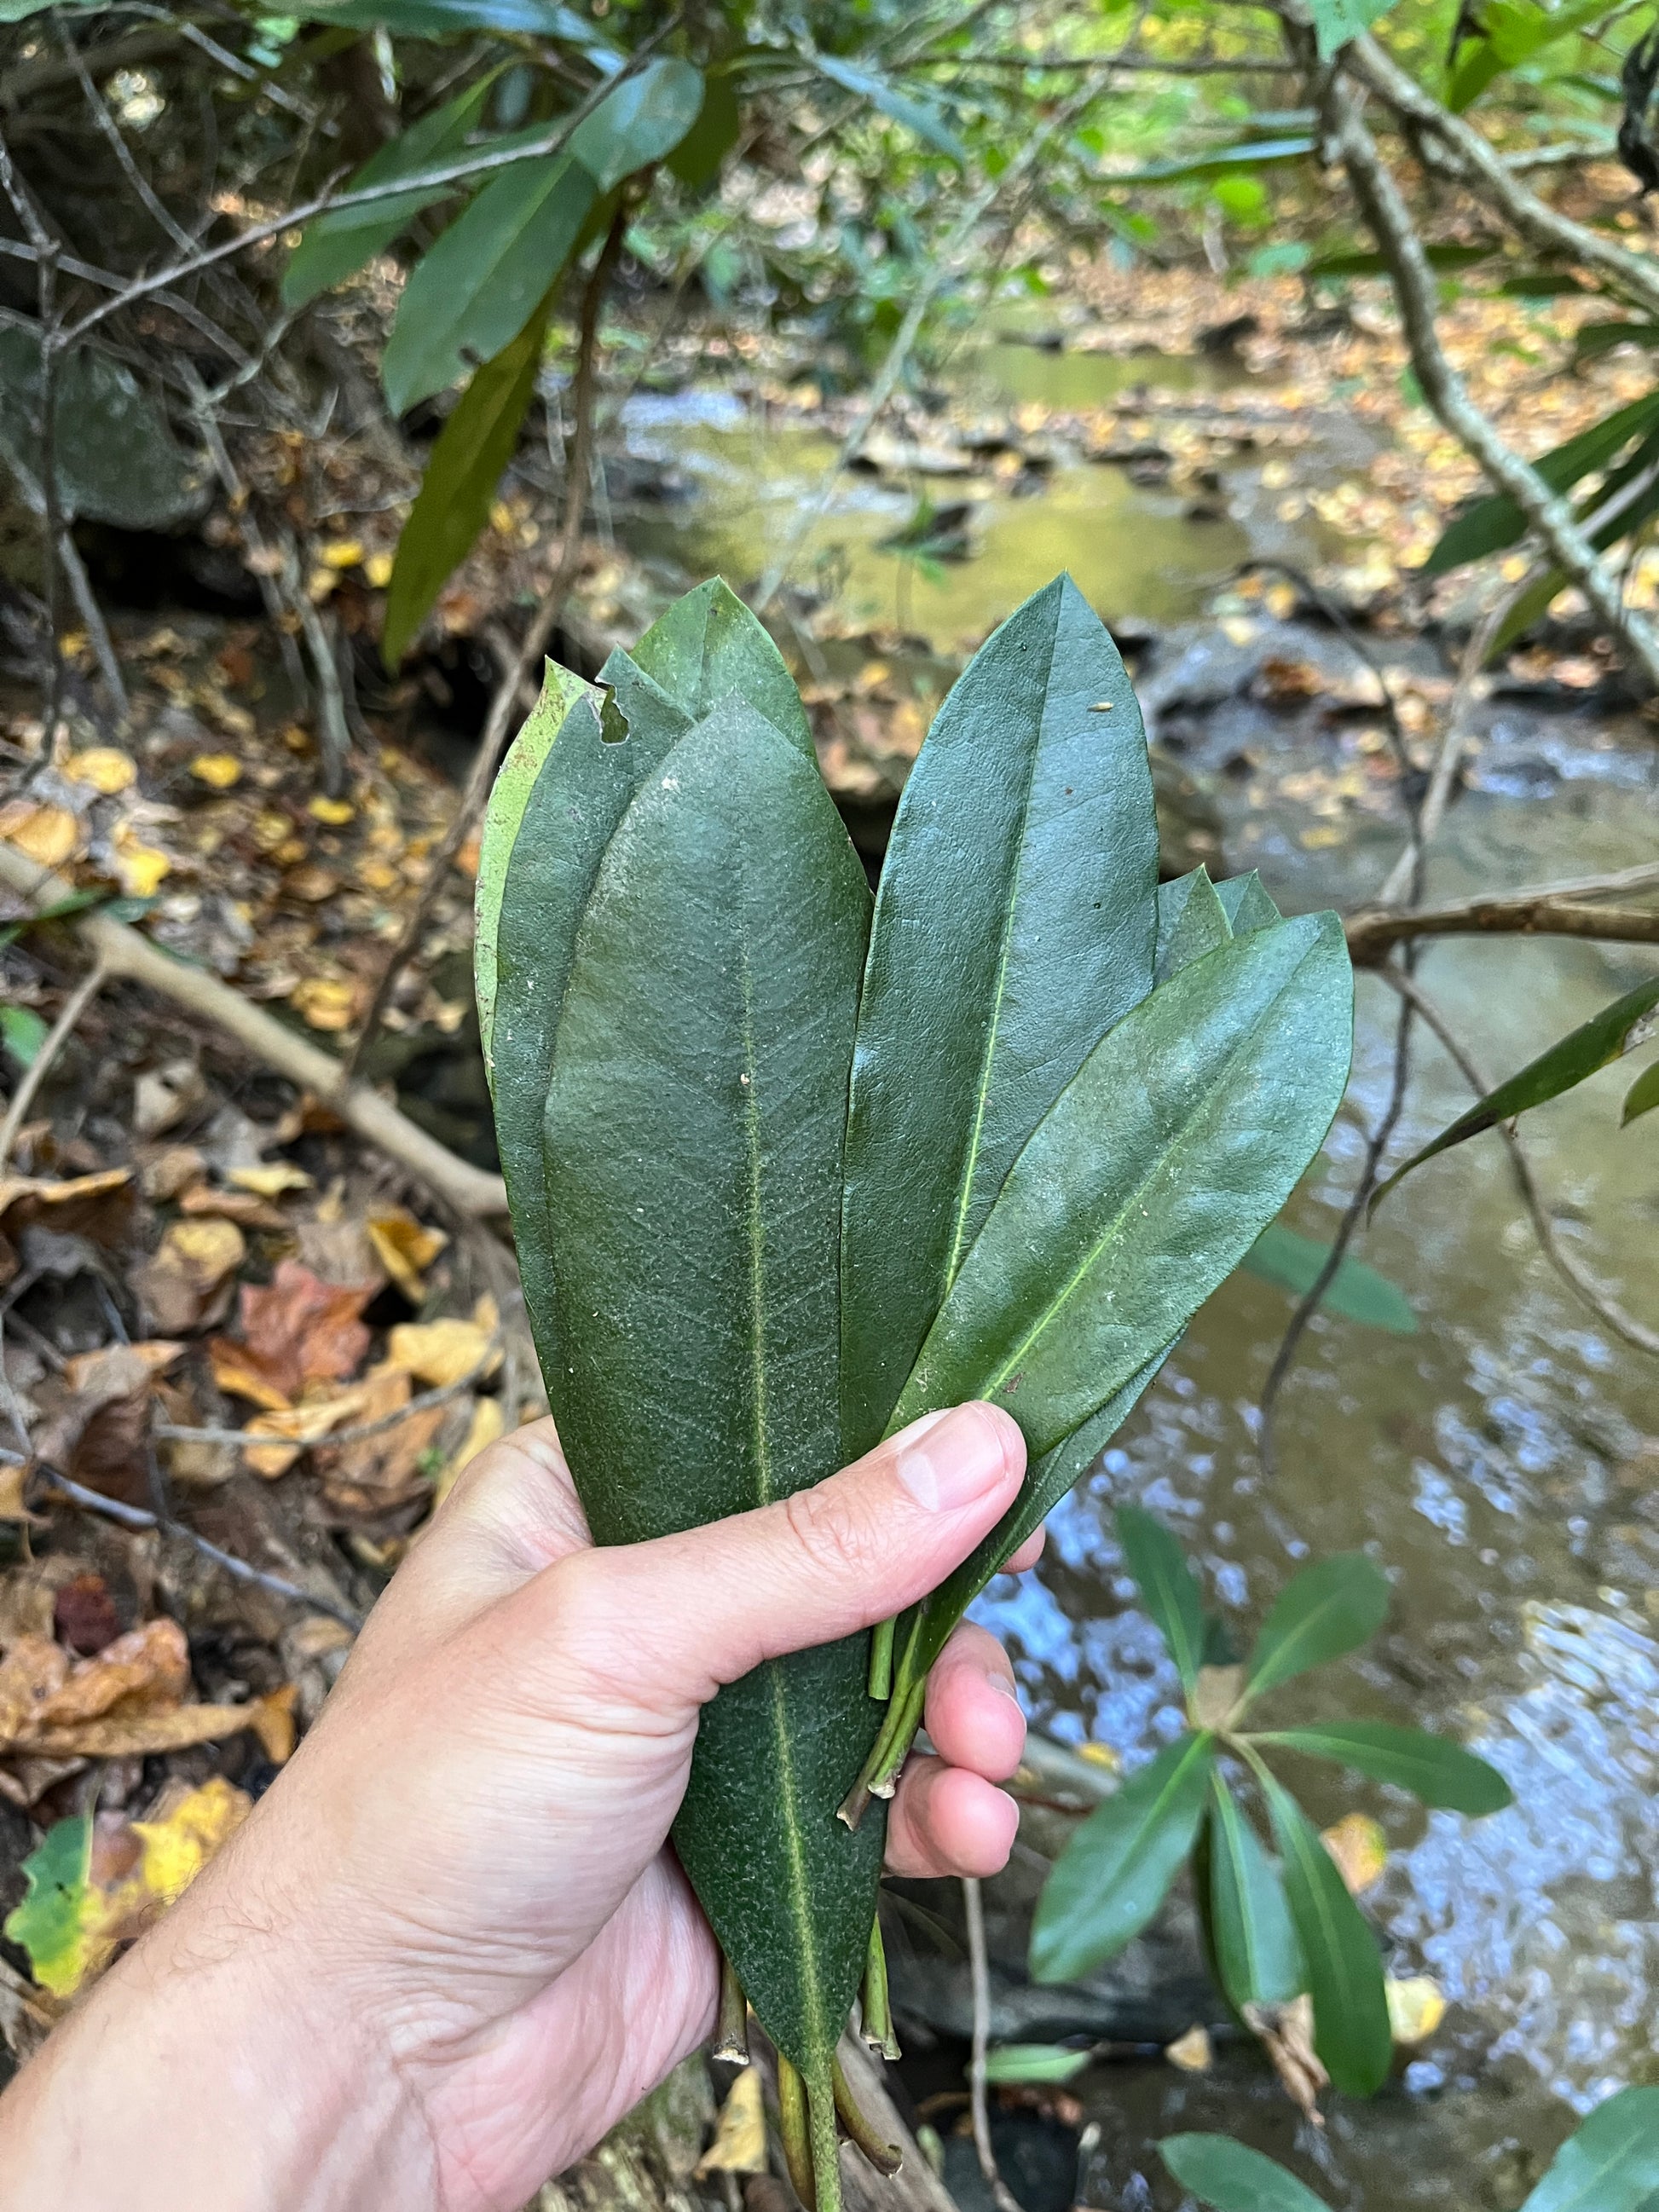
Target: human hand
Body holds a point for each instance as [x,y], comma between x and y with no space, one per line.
[450,1948]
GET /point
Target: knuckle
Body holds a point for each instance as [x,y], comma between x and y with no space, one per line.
[838,1536]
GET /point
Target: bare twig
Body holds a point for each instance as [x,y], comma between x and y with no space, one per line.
[122,951]
[333,732]
[203,408]
[136,1516]
[1416,293]
[1375,931]
[578,470]
[252,1440]
[47,253]
[979,1969]
[36,1072]
[1623,1325]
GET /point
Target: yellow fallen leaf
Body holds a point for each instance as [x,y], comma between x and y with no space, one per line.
[1359,1848]
[341,553]
[49,836]
[14,1479]
[176,1848]
[219,771]
[405,1248]
[325,1004]
[378,569]
[331,810]
[1191,2052]
[296,1427]
[1416,2008]
[105,767]
[438,1353]
[487,1424]
[142,868]
[1100,1754]
[269,1181]
[739,2144]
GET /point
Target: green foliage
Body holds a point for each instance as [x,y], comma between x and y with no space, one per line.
[1336,21]
[680,1009]
[453,502]
[1511,33]
[22,1033]
[921,115]
[1034,2062]
[1643,1096]
[1623,1027]
[1610,2165]
[1273,1927]
[1490,525]
[1233,2177]
[1294,1263]
[48,1921]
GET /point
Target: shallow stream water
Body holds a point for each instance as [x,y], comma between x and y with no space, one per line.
[1502,1464]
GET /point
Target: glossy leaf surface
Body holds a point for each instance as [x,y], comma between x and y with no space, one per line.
[1024,850]
[474,291]
[1345,1974]
[1113,1875]
[1257,1957]
[693,1145]
[458,487]
[1612,2163]
[337,245]
[1232,2177]
[1294,1263]
[1167,1588]
[1329,1608]
[1606,1036]
[644,118]
[1147,1184]
[1437,1771]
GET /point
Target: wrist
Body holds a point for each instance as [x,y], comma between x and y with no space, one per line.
[227,2070]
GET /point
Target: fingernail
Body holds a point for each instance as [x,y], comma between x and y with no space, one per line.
[948,1460]
[1003,1685]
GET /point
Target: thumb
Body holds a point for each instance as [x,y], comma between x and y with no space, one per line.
[684,1614]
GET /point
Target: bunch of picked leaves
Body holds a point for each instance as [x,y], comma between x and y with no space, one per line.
[1273,1931]
[788,1172]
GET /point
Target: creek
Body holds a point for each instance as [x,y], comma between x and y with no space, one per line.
[1502,1463]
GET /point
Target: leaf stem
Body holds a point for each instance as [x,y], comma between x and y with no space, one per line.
[732,2033]
[887,2158]
[880,1774]
[874,2001]
[795,2130]
[881,1661]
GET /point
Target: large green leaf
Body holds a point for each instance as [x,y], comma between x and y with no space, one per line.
[1642,1096]
[1606,1036]
[643,119]
[472,294]
[1494,523]
[1246,904]
[694,1131]
[1113,1875]
[1345,1974]
[1233,2177]
[1438,1772]
[1167,1586]
[1612,2163]
[335,246]
[1191,921]
[1294,1263]
[1257,1957]
[1153,1174]
[1329,1608]
[509,795]
[705,646]
[456,494]
[1014,925]
[1512,32]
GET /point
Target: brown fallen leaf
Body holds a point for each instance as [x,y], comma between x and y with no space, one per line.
[739,2144]
[187,1283]
[99,1435]
[378,1473]
[240,1373]
[241,1206]
[1285,2033]
[271,1181]
[14,1481]
[405,1250]
[439,1353]
[50,835]
[488,1423]
[83,1615]
[96,1205]
[171,1171]
[1191,2052]
[296,1427]
[301,1329]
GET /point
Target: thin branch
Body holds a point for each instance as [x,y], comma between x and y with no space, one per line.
[467,1190]
[979,1969]
[47,253]
[56,1038]
[578,470]
[1374,932]
[330,203]
[1623,1325]
[118,146]
[86,602]
[1416,292]
[203,406]
[251,1439]
[1405,879]
[135,1516]
[1488,173]
[887,377]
